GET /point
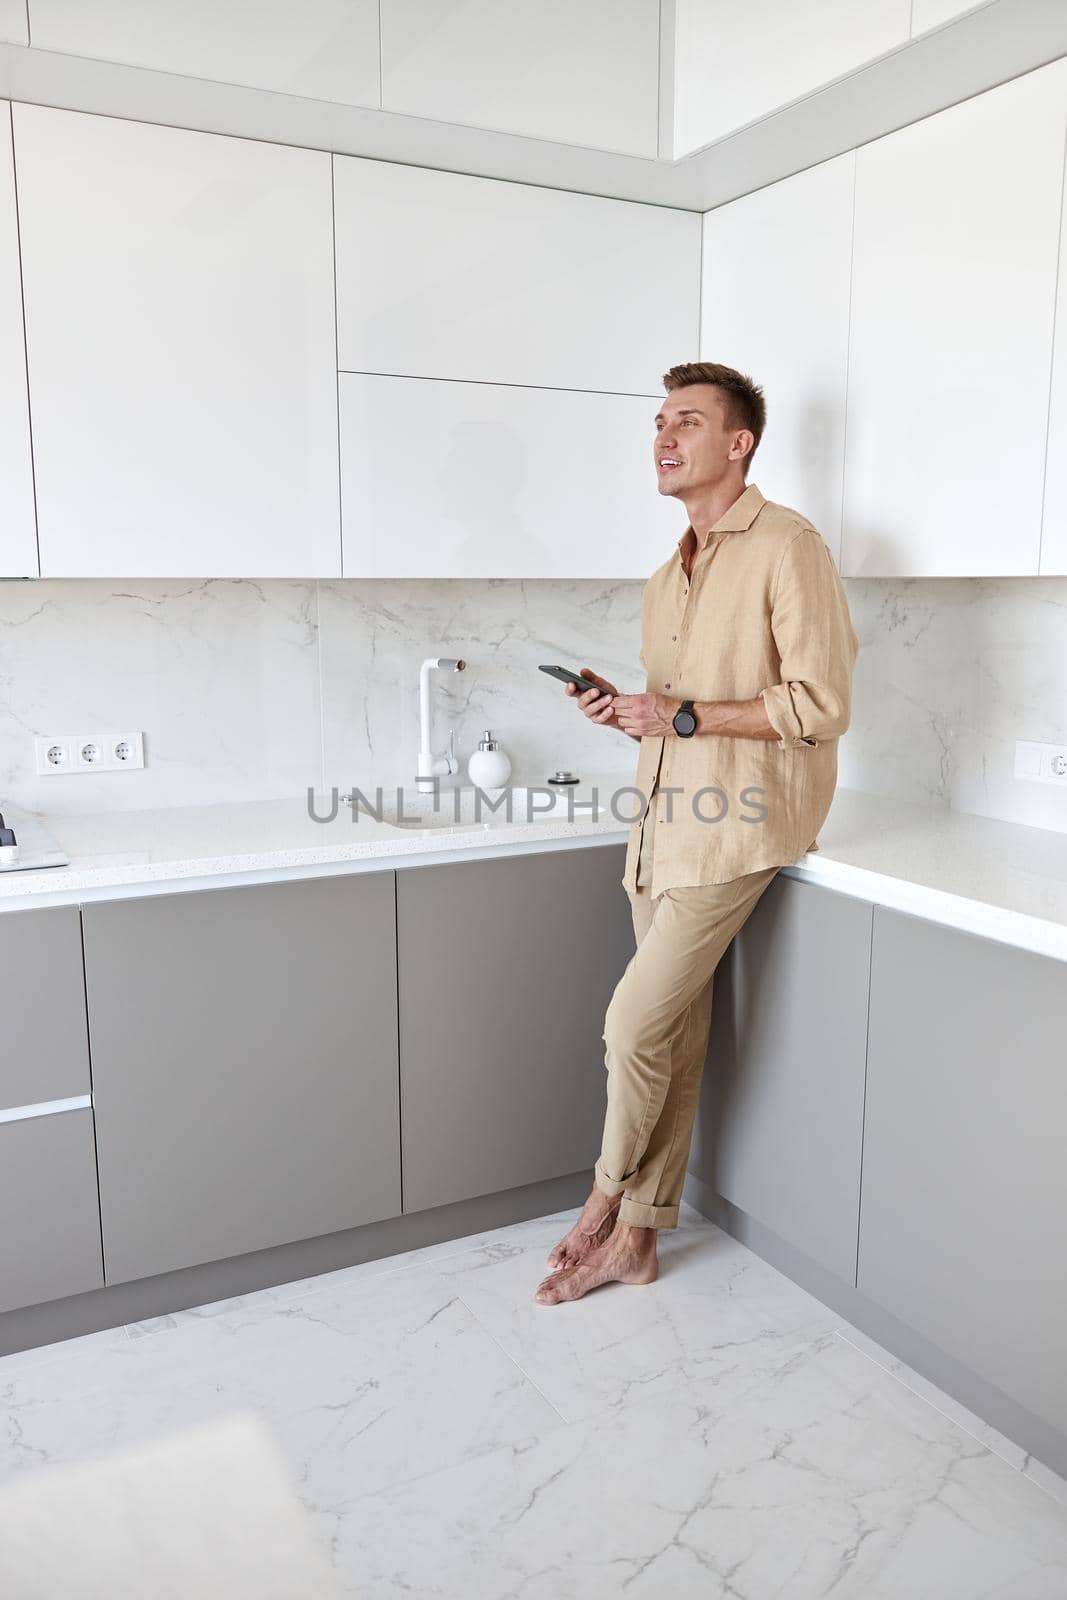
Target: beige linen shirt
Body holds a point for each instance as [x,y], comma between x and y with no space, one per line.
[765,614]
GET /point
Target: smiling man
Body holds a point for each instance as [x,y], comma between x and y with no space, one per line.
[749,648]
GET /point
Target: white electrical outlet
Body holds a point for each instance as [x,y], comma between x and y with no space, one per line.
[126,750]
[1041,763]
[90,752]
[54,755]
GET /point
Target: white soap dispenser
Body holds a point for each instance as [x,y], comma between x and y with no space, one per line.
[489,767]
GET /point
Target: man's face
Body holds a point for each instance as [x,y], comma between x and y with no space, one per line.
[693,447]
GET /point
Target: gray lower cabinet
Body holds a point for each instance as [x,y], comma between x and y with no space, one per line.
[780,1123]
[506,970]
[963,1228]
[49,1220]
[244,1046]
[49,1217]
[44,1054]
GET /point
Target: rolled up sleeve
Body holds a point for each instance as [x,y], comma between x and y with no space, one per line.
[816,644]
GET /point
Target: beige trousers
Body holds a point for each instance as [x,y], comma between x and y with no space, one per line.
[656,1036]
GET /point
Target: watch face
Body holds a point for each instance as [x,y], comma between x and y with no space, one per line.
[685,723]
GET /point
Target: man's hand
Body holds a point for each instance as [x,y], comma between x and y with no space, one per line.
[597,704]
[641,715]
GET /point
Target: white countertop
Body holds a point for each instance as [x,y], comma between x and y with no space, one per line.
[998,879]
[115,854]
[1002,880]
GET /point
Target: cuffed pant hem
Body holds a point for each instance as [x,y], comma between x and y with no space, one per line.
[609,1186]
[642,1216]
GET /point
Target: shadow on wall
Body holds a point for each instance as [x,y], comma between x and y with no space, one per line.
[483,471]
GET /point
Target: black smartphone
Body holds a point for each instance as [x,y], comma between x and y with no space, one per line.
[565,675]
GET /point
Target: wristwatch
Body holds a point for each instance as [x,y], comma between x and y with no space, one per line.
[685,722]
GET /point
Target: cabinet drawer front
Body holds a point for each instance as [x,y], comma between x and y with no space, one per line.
[951,336]
[962,1231]
[244,1067]
[782,315]
[781,1116]
[495,489]
[319,48]
[181,349]
[44,1051]
[541,71]
[18,537]
[506,970]
[49,1217]
[520,285]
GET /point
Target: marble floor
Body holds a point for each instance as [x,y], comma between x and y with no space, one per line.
[717,1433]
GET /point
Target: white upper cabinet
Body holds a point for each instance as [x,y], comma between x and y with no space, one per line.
[18,537]
[182,360]
[775,304]
[476,480]
[734,66]
[932,13]
[448,276]
[1054,520]
[13,28]
[325,49]
[583,74]
[953,291]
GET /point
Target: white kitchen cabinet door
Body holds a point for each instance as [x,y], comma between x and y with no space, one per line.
[732,68]
[953,291]
[475,480]
[325,49]
[776,270]
[13,29]
[442,275]
[927,14]
[583,74]
[180,337]
[1053,560]
[18,534]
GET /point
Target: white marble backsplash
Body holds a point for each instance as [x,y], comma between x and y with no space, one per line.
[951,672]
[249,689]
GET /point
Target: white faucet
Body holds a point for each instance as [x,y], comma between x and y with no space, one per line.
[430,765]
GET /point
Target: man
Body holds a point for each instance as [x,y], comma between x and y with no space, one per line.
[749,649]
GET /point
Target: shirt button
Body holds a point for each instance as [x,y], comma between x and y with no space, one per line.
[668,685]
[674,636]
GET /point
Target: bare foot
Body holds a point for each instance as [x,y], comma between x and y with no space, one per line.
[592,1228]
[627,1256]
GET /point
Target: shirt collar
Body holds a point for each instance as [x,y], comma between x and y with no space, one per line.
[736,518]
